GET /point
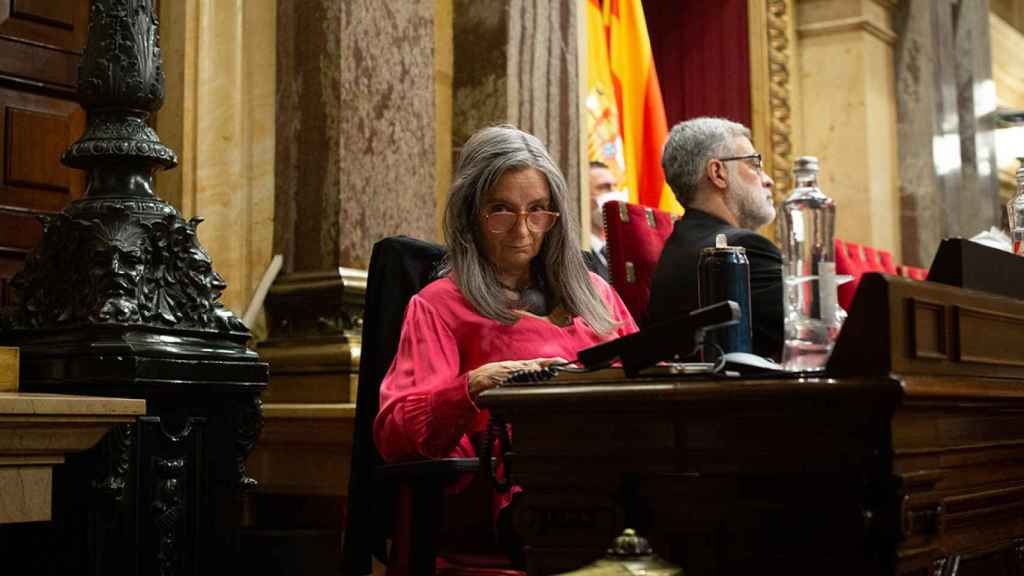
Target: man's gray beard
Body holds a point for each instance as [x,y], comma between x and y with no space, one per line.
[756,217]
[750,214]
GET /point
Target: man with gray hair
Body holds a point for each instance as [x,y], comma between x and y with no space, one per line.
[719,179]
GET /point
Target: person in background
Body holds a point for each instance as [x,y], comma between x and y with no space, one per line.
[718,177]
[514,295]
[604,187]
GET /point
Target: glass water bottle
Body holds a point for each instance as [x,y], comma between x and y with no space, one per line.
[812,313]
[1015,212]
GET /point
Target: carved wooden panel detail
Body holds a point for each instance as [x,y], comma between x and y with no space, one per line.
[55,13]
[927,329]
[35,130]
[987,337]
[33,143]
[41,43]
[58,24]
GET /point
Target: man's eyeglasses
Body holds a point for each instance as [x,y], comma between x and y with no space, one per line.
[755,161]
[536,221]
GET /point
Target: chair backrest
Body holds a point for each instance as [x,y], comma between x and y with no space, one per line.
[848,265]
[636,235]
[885,259]
[399,268]
[855,260]
[871,261]
[913,272]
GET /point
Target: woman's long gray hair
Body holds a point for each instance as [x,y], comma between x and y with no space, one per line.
[486,156]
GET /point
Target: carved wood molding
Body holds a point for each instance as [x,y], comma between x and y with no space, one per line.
[780,12]
[771,93]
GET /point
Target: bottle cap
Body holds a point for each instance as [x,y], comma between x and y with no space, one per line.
[721,241]
[806,164]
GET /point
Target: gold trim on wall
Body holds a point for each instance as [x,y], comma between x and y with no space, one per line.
[770,26]
[444,63]
[583,84]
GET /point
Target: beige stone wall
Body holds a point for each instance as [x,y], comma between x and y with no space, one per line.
[219,60]
[848,114]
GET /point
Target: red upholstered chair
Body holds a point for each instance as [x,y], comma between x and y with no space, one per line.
[913,272]
[871,261]
[854,260]
[885,258]
[856,254]
[636,235]
[845,264]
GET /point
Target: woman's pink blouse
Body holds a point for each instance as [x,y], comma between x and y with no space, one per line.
[425,408]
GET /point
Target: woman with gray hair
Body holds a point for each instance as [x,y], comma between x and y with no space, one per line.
[514,295]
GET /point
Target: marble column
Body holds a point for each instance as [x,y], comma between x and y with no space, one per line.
[946,101]
[976,102]
[356,128]
[516,61]
[848,111]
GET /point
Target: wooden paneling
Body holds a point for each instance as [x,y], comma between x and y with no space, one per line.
[41,42]
[971,341]
[55,24]
[45,70]
[938,330]
[928,331]
[36,129]
[52,12]
[20,231]
[34,140]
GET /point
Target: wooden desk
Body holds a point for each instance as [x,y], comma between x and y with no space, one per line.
[36,432]
[914,466]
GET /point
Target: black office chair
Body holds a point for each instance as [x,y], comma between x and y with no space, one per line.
[412,492]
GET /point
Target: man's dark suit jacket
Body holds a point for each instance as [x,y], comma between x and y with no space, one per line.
[674,288]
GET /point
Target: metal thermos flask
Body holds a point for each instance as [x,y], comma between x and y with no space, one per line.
[724,274]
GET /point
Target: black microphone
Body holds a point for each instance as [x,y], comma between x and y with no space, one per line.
[680,336]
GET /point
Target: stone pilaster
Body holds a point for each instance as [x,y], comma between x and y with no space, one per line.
[848,110]
[219,63]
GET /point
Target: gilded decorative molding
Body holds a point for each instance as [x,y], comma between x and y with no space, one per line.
[770,23]
[779,17]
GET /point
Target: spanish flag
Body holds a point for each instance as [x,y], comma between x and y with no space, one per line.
[619,53]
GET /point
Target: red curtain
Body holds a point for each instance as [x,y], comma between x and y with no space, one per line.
[702,53]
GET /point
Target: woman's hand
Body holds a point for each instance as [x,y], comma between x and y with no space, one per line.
[492,375]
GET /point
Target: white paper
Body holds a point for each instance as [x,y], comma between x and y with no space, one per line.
[828,296]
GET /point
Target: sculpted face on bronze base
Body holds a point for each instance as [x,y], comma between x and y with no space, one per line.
[104,264]
[117,261]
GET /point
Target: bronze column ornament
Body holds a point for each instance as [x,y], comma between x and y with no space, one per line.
[120,299]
